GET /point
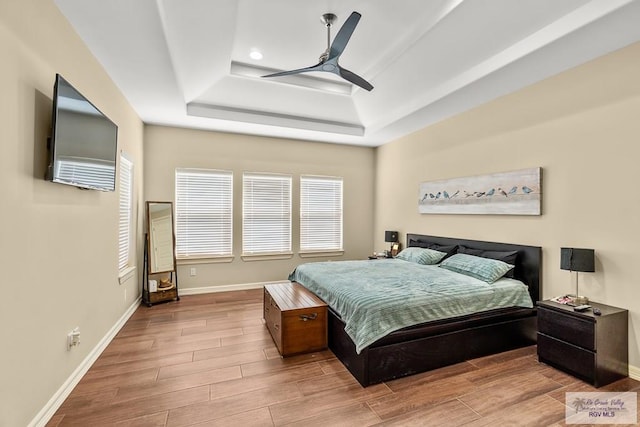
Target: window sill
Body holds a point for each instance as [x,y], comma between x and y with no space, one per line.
[126,274]
[267,257]
[320,254]
[207,260]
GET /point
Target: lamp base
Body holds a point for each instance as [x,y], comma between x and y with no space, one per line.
[579,299]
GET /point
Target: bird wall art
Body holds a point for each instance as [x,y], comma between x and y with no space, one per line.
[506,193]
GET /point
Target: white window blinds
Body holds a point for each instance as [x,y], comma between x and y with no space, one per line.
[320,213]
[204,213]
[266,214]
[126,202]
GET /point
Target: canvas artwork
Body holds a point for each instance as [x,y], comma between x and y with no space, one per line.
[507,193]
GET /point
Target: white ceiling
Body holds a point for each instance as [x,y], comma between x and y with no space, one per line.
[179,62]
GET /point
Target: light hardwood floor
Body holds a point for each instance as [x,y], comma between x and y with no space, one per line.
[208,360]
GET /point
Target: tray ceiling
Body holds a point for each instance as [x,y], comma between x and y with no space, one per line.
[186,62]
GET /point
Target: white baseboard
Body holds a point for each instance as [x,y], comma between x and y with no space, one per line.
[45,414]
[634,372]
[225,288]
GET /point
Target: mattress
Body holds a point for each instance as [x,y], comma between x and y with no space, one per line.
[377,297]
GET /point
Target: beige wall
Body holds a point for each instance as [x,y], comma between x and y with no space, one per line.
[582,127]
[58,244]
[166,149]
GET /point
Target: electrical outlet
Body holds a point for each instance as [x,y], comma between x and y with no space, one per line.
[73,338]
[193,271]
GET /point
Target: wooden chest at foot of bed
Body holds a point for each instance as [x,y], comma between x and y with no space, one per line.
[295,317]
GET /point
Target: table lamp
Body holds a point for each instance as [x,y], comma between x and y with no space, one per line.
[576,259]
[391,237]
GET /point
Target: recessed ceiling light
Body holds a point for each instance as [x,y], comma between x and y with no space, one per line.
[255,54]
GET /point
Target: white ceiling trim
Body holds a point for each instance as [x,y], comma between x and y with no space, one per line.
[186,62]
[301,80]
[222,112]
[394,52]
[581,17]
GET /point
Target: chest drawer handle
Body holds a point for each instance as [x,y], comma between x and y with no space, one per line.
[305,317]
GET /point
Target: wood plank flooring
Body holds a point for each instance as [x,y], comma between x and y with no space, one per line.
[208,360]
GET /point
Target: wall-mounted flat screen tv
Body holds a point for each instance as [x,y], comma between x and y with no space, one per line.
[83,146]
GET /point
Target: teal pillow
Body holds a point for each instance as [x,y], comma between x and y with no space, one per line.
[421,255]
[485,269]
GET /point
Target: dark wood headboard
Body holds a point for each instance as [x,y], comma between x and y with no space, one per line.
[528,263]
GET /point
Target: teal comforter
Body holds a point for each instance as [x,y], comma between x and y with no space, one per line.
[375,298]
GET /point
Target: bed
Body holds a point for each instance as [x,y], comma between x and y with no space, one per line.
[445,340]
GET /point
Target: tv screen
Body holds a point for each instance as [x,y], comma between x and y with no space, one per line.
[83,144]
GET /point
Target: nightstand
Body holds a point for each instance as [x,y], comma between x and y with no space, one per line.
[592,348]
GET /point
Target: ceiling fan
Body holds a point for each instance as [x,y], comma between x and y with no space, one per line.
[329,58]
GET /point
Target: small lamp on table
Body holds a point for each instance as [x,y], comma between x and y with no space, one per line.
[392,237]
[577,259]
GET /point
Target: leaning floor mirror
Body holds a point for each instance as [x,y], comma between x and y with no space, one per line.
[160,278]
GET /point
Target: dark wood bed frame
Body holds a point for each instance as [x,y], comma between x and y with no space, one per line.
[436,344]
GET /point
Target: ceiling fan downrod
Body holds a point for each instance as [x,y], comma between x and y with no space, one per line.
[327,19]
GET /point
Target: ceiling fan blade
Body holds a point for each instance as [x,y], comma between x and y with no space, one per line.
[343,36]
[298,71]
[354,78]
[329,63]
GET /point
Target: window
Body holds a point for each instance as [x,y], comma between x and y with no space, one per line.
[266,214]
[320,213]
[125,212]
[204,213]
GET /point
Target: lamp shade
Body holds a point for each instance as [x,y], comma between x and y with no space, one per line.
[390,236]
[576,259]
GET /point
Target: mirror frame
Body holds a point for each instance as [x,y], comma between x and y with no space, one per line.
[150,240]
